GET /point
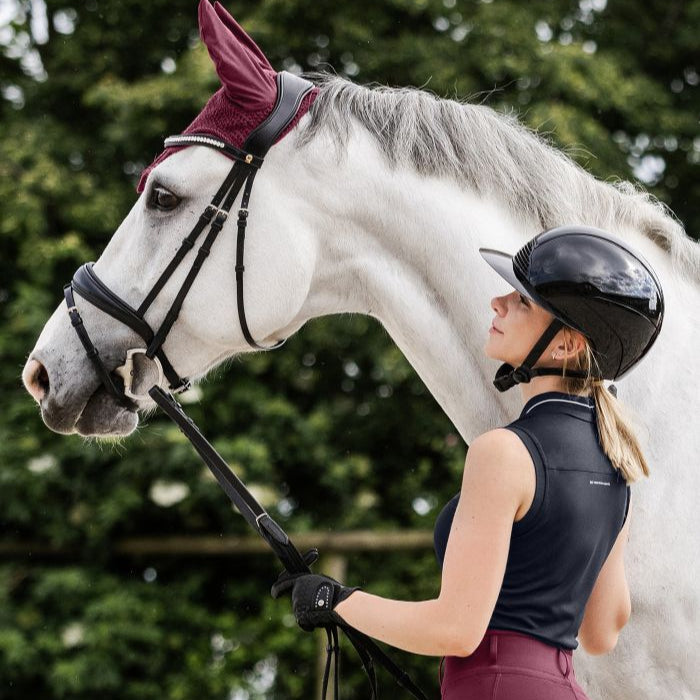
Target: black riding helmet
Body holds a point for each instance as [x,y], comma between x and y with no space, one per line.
[593,282]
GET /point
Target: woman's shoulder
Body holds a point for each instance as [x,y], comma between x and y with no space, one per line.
[501,445]
[501,453]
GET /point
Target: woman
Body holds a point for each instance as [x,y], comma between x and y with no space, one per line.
[532,547]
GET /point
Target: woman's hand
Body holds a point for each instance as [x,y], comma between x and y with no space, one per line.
[314,598]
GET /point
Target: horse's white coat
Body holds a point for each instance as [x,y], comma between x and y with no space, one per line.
[329,235]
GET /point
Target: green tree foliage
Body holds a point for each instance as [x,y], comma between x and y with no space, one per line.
[88,91]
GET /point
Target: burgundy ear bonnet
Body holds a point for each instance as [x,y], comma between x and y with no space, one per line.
[248,85]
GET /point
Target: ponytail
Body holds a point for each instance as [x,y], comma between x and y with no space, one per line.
[616,429]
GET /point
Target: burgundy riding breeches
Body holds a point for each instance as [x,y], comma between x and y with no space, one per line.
[511,666]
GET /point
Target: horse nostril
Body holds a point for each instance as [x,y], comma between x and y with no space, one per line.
[43,379]
[36,379]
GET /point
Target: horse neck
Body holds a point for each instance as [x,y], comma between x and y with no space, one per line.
[402,248]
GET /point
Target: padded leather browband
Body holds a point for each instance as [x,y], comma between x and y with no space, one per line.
[205,139]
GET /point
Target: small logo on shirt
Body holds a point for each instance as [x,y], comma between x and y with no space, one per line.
[600,483]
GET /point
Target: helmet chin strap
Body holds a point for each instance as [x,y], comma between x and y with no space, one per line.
[508,376]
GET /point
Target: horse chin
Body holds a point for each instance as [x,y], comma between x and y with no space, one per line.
[103,416]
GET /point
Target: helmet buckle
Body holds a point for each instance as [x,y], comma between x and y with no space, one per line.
[522,375]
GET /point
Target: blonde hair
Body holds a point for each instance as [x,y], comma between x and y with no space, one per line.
[616,430]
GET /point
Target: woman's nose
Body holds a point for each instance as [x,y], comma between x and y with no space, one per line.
[497,304]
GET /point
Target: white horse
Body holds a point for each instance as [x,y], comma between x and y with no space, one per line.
[376,204]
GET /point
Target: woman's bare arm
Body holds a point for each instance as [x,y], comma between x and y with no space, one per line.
[493,487]
[609,606]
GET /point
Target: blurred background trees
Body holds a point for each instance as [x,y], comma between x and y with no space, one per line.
[334,431]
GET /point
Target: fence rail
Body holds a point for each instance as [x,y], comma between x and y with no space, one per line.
[334,547]
[231,545]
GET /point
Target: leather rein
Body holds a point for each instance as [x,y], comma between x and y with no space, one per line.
[291,90]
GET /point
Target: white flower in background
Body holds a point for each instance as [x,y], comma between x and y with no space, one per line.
[366,499]
[41,464]
[423,506]
[73,635]
[168,493]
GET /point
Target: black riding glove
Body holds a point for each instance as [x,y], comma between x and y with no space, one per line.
[314,597]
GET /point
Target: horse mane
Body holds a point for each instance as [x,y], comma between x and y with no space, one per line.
[495,155]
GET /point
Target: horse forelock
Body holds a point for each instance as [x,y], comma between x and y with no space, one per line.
[497,156]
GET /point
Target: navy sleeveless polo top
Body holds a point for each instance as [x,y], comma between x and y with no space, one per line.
[560,545]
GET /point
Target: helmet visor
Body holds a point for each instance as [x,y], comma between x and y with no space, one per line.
[502,263]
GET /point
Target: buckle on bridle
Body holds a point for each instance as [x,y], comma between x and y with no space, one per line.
[126,372]
[182,387]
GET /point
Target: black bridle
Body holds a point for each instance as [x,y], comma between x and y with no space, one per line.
[291,90]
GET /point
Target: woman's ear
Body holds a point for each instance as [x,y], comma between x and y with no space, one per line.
[569,345]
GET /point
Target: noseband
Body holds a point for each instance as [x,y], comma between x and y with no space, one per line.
[291,90]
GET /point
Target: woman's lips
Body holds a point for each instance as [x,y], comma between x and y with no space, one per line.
[493,329]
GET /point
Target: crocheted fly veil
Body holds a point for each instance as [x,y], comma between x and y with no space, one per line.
[248,85]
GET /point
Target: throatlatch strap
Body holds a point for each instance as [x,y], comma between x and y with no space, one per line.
[240,267]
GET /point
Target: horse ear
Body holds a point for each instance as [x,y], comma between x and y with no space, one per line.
[241,35]
[249,82]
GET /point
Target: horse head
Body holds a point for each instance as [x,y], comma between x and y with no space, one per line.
[80,392]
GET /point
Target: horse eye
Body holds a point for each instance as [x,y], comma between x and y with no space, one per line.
[164,199]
